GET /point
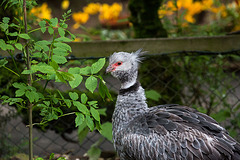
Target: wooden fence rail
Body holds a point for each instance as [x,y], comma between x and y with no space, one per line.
[155,45]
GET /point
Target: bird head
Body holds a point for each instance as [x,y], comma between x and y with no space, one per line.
[124,66]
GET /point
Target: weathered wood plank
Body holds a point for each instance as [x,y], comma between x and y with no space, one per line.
[155,45]
[159,45]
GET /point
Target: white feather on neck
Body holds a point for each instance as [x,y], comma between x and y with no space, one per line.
[127,84]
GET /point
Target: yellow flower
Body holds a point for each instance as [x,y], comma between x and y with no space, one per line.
[77,40]
[76,26]
[186,3]
[161,13]
[189,18]
[92,8]
[65,4]
[42,11]
[207,4]
[110,12]
[80,18]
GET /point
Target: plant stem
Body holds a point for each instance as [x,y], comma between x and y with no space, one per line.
[34,30]
[41,123]
[11,71]
[29,83]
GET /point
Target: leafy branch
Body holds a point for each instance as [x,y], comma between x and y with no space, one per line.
[43,60]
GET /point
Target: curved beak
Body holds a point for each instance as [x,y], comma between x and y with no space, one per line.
[110,68]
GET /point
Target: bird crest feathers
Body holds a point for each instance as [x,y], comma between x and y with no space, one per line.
[137,56]
[134,56]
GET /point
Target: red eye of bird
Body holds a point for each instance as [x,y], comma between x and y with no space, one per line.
[118,63]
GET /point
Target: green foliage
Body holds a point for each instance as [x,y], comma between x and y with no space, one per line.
[106,128]
[152,94]
[54,52]
[44,65]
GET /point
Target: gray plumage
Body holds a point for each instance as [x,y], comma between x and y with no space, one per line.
[165,131]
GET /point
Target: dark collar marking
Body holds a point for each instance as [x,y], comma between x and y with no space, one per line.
[133,88]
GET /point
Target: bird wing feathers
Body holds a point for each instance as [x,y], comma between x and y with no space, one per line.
[177,132]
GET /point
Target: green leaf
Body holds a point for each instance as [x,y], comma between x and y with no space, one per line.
[103,90]
[67,76]
[19,92]
[54,22]
[84,98]
[50,30]
[47,103]
[28,72]
[63,46]
[24,36]
[81,107]
[42,45]
[85,70]
[98,125]
[59,59]
[91,83]
[51,156]
[42,23]
[10,47]
[20,85]
[79,119]
[41,55]
[233,133]
[222,115]
[89,122]
[107,131]
[12,101]
[65,25]
[82,132]
[29,96]
[94,153]
[19,46]
[77,81]
[54,65]
[44,68]
[3,62]
[43,42]
[92,103]
[73,95]
[61,32]
[97,66]
[43,29]
[102,111]
[68,102]
[59,51]
[4,26]
[14,25]
[95,114]
[152,94]
[74,70]
[63,39]
[3,45]
[13,34]
[60,78]
[6,20]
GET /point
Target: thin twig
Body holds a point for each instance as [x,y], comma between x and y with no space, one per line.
[29,83]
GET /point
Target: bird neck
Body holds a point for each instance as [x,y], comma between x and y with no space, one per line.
[131,102]
[133,96]
[129,80]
